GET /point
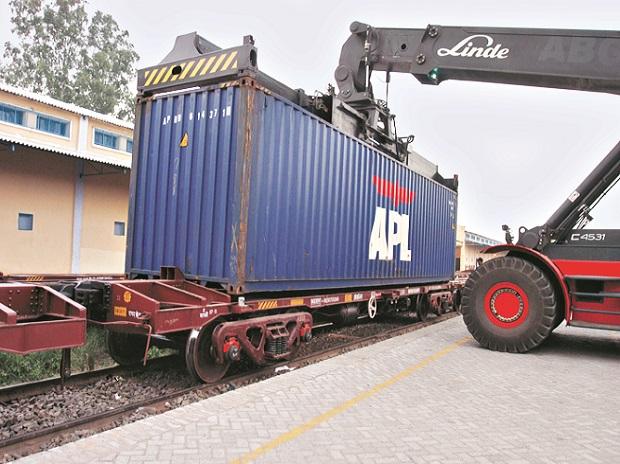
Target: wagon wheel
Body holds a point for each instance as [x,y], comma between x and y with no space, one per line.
[423,308]
[126,349]
[200,356]
[372,307]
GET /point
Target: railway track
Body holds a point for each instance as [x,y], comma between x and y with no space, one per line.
[47,437]
[38,387]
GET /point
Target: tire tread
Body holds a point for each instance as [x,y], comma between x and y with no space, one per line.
[529,340]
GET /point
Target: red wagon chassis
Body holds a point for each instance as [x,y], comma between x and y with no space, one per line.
[167,306]
[36,317]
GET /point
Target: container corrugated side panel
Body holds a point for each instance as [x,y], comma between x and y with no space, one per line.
[313,204]
[182,196]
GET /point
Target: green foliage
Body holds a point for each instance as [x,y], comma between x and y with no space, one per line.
[59,51]
[17,369]
[37,366]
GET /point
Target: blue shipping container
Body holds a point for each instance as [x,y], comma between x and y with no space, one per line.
[240,187]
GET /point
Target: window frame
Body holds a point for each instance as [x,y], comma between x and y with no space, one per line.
[56,119]
[127,142]
[105,132]
[19,223]
[123,223]
[24,111]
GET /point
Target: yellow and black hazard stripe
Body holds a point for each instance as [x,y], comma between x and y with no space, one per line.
[268,304]
[35,278]
[191,69]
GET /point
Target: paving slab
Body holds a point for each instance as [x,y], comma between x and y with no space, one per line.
[430,396]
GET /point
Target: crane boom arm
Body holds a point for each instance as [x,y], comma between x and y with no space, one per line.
[565,59]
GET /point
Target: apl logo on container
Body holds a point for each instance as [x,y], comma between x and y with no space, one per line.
[390,228]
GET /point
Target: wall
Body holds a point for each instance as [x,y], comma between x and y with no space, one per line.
[469,254]
[105,201]
[41,184]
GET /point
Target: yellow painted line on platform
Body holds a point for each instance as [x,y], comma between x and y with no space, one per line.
[343,407]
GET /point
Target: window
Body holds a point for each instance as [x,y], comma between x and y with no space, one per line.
[52,125]
[105,139]
[129,146]
[119,228]
[25,221]
[11,114]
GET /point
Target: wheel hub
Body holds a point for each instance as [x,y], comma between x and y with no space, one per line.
[504,302]
[506,305]
[372,306]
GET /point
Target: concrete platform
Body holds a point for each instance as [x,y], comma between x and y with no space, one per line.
[432,396]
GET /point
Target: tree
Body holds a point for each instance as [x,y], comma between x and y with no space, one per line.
[60,52]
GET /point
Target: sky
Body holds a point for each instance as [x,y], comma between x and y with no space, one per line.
[518,151]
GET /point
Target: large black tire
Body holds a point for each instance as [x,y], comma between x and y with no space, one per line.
[559,318]
[509,304]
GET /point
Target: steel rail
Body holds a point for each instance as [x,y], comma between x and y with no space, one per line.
[38,387]
[34,441]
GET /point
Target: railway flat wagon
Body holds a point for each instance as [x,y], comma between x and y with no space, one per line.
[235,185]
[252,217]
